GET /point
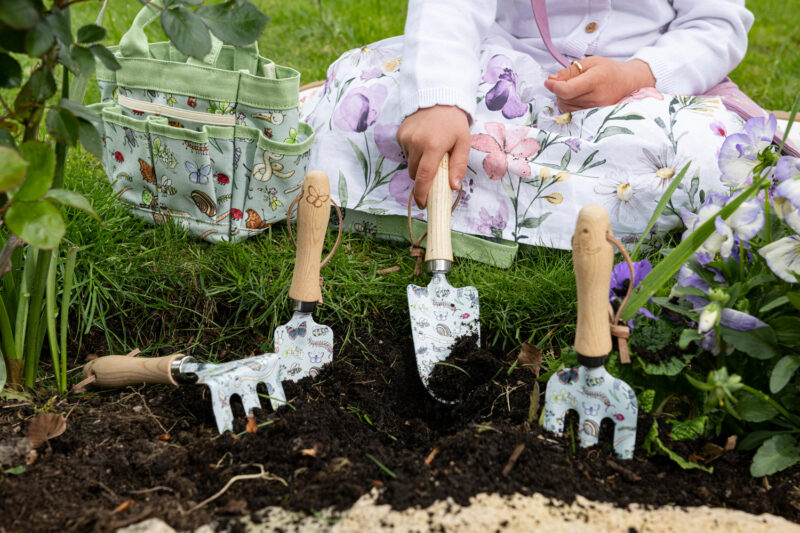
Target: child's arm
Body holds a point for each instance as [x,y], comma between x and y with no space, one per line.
[705,41]
[439,77]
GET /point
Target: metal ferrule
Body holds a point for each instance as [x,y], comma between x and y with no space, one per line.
[439,265]
[592,362]
[179,371]
[304,307]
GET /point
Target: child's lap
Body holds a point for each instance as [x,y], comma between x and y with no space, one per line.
[530,169]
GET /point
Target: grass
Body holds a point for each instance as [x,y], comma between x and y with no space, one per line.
[154,288]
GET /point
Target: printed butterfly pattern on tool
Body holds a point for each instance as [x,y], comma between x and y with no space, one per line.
[303,346]
[441,315]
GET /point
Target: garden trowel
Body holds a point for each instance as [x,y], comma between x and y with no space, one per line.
[588,389]
[440,313]
[302,345]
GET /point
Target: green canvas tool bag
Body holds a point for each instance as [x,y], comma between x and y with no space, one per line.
[214,145]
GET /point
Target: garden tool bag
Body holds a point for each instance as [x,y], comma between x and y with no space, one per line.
[213,145]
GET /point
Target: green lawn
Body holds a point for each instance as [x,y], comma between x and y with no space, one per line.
[152,288]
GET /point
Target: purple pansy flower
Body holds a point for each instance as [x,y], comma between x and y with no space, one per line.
[621,279]
[360,108]
[503,96]
[740,152]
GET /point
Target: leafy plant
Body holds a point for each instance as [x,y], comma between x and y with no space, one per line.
[738,265]
[37,130]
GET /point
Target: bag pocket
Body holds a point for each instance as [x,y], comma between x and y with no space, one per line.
[268,180]
[129,162]
[194,171]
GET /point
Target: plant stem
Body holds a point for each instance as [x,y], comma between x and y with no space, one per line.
[767,224]
[50,313]
[34,320]
[65,299]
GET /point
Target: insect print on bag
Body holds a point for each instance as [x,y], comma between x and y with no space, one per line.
[199,176]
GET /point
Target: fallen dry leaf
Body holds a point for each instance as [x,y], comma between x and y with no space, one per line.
[44,427]
[530,357]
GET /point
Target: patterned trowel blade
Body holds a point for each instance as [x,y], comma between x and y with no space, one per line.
[303,347]
[440,314]
[240,378]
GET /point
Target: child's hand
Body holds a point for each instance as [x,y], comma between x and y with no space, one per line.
[603,82]
[425,136]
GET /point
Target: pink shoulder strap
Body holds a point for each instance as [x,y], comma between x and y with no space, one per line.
[540,16]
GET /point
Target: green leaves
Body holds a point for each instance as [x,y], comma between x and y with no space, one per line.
[776,454]
[71,199]
[10,71]
[62,125]
[783,372]
[235,22]
[39,39]
[19,14]
[39,178]
[38,223]
[12,168]
[753,409]
[105,56]
[186,31]
[652,444]
[41,84]
[91,33]
[759,343]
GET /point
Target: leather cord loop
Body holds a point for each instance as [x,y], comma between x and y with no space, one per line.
[619,329]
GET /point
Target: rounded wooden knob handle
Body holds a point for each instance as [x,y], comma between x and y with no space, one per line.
[593,258]
[121,371]
[313,213]
[440,198]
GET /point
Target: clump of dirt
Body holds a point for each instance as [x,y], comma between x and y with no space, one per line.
[366,422]
[465,369]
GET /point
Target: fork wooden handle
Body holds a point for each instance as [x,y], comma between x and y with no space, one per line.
[313,213]
[440,198]
[593,257]
[121,371]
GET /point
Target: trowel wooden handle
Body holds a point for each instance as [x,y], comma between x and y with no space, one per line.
[439,199]
[312,221]
[593,257]
[120,371]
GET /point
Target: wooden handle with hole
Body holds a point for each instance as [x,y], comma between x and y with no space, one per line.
[593,257]
[313,213]
[440,199]
[121,371]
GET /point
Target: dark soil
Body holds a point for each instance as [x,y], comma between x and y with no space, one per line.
[464,370]
[154,452]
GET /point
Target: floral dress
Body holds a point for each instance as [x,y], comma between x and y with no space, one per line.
[531,167]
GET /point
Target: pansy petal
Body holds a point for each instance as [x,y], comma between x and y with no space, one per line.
[740,321]
[787,168]
[498,96]
[789,189]
[783,257]
[514,107]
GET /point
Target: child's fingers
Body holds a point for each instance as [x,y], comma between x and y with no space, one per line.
[426,171]
[574,88]
[459,157]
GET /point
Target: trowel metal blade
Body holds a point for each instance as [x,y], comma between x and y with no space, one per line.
[303,346]
[440,314]
[593,394]
[240,377]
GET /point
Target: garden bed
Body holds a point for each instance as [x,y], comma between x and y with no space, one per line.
[367,423]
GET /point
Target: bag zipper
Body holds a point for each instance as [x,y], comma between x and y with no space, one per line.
[171,112]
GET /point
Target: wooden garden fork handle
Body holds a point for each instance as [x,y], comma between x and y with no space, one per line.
[593,258]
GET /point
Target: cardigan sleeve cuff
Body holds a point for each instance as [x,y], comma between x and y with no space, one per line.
[669,79]
[439,96]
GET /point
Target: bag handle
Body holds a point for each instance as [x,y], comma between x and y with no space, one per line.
[135,44]
[540,16]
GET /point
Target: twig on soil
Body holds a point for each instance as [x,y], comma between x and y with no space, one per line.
[513,459]
[103,486]
[153,489]
[144,402]
[261,475]
[431,455]
[389,270]
[626,473]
